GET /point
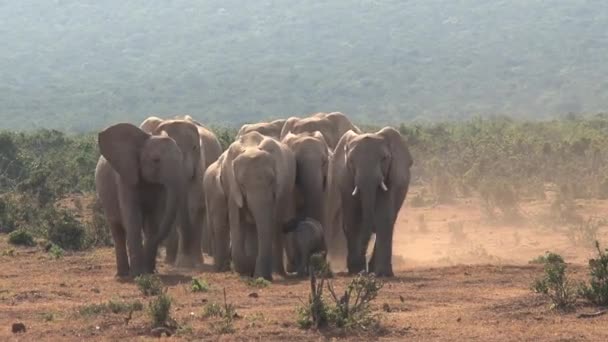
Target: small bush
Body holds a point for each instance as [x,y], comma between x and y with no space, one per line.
[258,282]
[160,311]
[55,251]
[21,238]
[226,313]
[124,307]
[47,316]
[199,285]
[555,284]
[111,306]
[65,230]
[597,289]
[149,284]
[548,257]
[352,309]
[212,310]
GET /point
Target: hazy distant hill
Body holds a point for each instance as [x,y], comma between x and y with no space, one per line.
[82,64]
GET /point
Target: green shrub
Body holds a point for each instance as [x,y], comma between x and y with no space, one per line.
[555,284]
[64,229]
[55,251]
[110,307]
[199,285]
[257,282]
[597,289]
[351,310]
[21,238]
[548,257]
[149,284]
[160,311]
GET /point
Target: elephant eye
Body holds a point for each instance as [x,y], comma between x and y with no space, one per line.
[194,148]
[156,160]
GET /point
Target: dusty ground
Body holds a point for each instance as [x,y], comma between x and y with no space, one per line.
[464,279]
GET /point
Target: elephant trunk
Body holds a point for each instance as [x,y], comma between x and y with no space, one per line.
[312,189]
[261,203]
[172,202]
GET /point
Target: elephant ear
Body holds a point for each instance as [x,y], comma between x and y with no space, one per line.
[288,126]
[401,159]
[150,124]
[228,175]
[120,145]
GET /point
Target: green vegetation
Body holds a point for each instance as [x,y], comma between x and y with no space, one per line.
[597,289]
[199,285]
[111,306]
[149,284]
[226,315]
[160,310]
[47,177]
[350,311]
[555,284]
[81,66]
[257,282]
[21,238]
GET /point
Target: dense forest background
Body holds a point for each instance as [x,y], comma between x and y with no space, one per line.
[79,65]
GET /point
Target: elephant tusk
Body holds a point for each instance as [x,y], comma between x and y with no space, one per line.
[383,186]
[355,191]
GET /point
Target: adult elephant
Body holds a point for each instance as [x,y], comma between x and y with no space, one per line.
[312,158]
[139,179]
[259,174]
[369,177]
[331,125]
[187,242]
[270,129]
[216,203]
[210,149]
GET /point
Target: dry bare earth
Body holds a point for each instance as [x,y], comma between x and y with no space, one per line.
[428,300]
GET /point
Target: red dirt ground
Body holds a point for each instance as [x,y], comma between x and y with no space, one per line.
[471,284]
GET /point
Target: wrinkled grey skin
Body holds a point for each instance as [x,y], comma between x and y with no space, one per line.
[188,140]
[312,159]
[331,125]
[259,175]
[210,149]
[303,238]
[369,177]
[269,129]
[217,217]
[138,179]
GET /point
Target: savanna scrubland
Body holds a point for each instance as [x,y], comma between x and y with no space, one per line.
[488,198]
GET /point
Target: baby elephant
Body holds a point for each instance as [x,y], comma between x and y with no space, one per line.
[303,238]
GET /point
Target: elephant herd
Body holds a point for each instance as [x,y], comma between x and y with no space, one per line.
[283,188]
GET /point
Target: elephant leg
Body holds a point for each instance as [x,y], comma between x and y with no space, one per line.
[189,253]
[136,252]
[171,247]
[381,261]
[120,249]
[356,240]
[206,236]
[221,241]
[264,260]
[242,262]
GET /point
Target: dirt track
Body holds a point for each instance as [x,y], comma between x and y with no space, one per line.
[485,296]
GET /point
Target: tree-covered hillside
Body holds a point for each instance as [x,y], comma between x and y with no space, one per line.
[79,65]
